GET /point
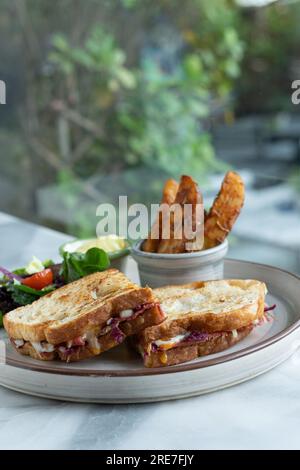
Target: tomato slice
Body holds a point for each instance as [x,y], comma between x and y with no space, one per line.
[39,280]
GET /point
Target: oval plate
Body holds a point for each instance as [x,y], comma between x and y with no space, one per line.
[118,376]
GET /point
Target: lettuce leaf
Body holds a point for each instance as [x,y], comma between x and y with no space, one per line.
[77,265]
[24,295]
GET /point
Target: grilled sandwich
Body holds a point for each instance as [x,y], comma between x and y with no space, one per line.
[201,318]
[83,318]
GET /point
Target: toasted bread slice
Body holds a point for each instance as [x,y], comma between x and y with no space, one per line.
[212,308]
[85,308]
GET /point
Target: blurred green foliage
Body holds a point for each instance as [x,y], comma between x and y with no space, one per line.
[217,48]
[99,55]
[271,59]
[154,115]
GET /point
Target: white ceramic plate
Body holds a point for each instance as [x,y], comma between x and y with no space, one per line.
[118,376]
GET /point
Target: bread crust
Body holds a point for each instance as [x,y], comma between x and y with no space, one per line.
[107,341]
[186,353]
[209,322]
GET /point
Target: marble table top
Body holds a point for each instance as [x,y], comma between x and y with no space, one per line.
[263,413]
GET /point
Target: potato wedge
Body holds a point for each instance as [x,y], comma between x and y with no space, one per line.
[188,193]
[169,191]
[225,210]
[168,197]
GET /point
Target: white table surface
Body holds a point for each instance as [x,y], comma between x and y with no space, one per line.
[263,413]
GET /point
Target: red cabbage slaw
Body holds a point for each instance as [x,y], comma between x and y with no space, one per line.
[116,332]
[268,309]
[10,275]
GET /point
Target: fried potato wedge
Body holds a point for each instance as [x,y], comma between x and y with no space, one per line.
[168,197]
[225,210]
[188,193]
[169,191]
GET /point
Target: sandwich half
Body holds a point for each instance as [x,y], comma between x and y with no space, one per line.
[83,318]
[201,318]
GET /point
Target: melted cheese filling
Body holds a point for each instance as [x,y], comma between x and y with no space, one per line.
[168,344]
[43,347]
[126,313]
[164,345]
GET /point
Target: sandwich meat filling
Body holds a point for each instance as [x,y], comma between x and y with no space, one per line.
[88,340]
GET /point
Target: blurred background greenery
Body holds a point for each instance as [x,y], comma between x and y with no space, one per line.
[110,97]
